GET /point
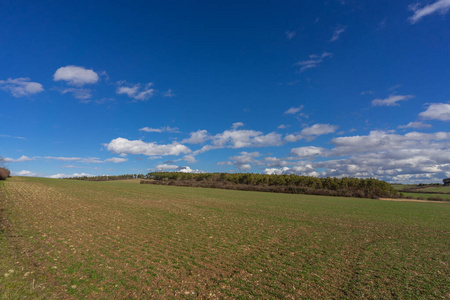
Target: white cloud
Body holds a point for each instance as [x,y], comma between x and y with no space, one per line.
[75,75]
[122,145]
[189,158]
[290,34]
[412,157]
[275,171]
[243,138]
[175,168]
[337,33]
[20,87]
[138,92]
[58,176]
[197,137]
[24,173]
[383,141]
[319,129]
[416,125]
[116,160]
[437,111]
[276,162]
[79,93]
[169,93]
[161,129]
[301,169]
[293,110]
[391,100]
[283,126]
[243,161]
[20,159]
[313,62]
[237,125]
[440,6]
[166,167]
[307,152]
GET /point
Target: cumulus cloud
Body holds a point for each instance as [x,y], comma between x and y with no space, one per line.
[243,161]
[437,111]
[319,129]
[440,6]
[391,100]
[122,145]
[20,87]
[302,168]
[309,133]
[24,173]
[138,92]
[175,168]
[242,138]
[307,152]
[412,157]
[161,129]
[416,125]
[197,137]
[313,62]
[337,33]
[74,75]
[384,141]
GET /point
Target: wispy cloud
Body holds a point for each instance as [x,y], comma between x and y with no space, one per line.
[10,136]
[20,87]
[440,6]
[137,92]
[78,93]
[290,34]
[391,100]
[313,62]
[161,129]
[293,110]
[337,33]
[169,93]
[416,125]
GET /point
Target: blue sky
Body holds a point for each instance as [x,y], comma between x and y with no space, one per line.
[321,88]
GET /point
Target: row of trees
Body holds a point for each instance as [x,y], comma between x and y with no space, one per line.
[347,186]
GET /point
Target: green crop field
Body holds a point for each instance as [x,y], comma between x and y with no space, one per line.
[426,196]
[65,239]
[438,189]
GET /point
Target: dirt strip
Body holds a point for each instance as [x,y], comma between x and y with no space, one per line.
[413,200]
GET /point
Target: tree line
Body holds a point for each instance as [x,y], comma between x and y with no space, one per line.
[295,184]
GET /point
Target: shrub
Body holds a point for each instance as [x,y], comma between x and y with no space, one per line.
[4,173]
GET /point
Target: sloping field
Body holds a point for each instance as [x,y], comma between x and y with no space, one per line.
[76,239]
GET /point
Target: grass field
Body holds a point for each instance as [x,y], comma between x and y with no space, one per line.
[426,196]
[77,239]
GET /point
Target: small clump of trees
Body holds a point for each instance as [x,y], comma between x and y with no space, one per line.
[446,181]
[294,184]
[4,172]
